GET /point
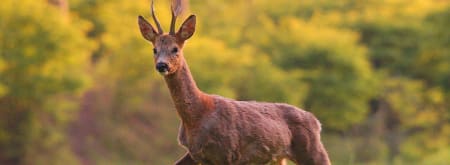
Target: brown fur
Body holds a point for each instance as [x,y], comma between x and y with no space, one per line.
[222,131]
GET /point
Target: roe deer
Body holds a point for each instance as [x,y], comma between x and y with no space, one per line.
[222,131]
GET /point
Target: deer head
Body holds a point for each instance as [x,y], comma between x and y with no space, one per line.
[168,47]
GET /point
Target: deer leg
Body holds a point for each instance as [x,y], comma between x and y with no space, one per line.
[307,149]
[281,162]
[186,160]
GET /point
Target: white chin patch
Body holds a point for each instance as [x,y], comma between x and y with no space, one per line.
[165,73]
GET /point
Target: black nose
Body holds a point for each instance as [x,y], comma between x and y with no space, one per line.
[162,67]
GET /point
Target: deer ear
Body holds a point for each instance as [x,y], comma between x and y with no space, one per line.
[187,29]
[147,30]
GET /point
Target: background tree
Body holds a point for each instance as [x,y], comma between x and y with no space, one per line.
[43,56]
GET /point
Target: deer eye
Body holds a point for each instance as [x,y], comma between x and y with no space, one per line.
[154,51]
[175,50]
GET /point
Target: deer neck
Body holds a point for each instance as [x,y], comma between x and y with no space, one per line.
[190,102]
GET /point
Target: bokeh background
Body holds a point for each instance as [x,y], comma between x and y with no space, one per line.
[78,84]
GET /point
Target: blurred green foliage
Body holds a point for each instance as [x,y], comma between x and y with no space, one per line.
[77,84]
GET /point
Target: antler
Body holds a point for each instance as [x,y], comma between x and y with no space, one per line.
[177,8]
[160,30]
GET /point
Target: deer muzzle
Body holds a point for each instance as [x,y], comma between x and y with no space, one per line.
[162,68]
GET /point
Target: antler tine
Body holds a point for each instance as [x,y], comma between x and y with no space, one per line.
[172,23]
[160,30]
[177,7]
